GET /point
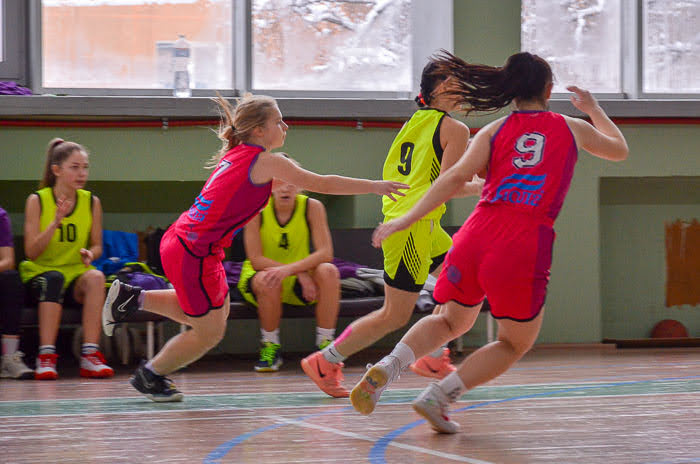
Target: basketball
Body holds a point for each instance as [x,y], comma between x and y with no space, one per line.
[669,328]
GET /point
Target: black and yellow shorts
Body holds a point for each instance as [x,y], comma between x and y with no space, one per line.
[291,288]
[411,254]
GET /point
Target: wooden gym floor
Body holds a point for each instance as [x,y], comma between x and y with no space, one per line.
[592,404]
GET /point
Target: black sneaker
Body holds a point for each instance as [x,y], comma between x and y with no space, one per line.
[122,301]
[155,387]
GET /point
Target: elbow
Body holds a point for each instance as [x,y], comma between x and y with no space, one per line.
[623,153]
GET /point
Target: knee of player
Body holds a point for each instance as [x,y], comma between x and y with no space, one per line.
[51,286]
[212,334]
[394,320]
[94,279]
[519,347]
[327,273]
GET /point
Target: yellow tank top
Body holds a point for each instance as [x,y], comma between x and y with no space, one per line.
[63,251]
[414,159]
[286,243]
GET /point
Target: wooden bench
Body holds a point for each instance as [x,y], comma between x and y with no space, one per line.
[355,248]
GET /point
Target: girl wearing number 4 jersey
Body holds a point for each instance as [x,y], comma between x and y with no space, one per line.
[193,247]
[427,145]
[504,249]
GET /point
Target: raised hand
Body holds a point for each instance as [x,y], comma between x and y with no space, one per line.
[390,188]
[63,207]
[582,99]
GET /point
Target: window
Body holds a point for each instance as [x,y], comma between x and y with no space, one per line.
[332,45]
[128,43]
[12,33]
[308,47]
[630,47]
[671,46]
[579,38]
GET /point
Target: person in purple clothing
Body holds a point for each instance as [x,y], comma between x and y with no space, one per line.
[11,300]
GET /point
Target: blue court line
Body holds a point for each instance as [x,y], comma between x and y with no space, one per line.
[378,451]
[222,450]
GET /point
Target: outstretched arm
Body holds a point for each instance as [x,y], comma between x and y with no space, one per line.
[444,187]
[276,165]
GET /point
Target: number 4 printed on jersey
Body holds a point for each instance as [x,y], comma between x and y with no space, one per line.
[531,144]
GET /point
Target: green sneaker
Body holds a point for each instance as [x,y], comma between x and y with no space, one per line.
[270,359]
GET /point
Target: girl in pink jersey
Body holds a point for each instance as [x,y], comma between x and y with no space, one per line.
[504,250]
[193,247]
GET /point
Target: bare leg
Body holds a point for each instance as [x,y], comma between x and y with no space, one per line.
[269,303]
[49,321]
[327,279]
[435,330]
[186,347]
[488,362]
[394,314]
[90,292]
[165,303]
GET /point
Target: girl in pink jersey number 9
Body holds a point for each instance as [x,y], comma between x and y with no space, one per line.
[504,250]
[193,247]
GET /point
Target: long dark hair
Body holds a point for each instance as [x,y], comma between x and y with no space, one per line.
[56,153]
[490,88]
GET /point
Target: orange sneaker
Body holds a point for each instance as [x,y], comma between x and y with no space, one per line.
[94,365]
[437,368]
[46,367]
[325,374]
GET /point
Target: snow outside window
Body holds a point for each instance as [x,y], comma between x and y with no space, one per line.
[332,45]
[581,40]
[672,46]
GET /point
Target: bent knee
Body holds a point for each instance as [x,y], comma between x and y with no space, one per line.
[94,277]
[327,272]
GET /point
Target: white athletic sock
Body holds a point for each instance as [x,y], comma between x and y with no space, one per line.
[47,349]
[438,353]
[453,386]
[88,348]
[9,345]
[331,354]
[404,354]
[324,334]
[272,337]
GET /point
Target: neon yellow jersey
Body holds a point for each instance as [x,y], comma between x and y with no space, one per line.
[285,243]
[414,159]
[63,251]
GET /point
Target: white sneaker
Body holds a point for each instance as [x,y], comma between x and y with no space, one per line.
[94,365]
[365,395]
[13,367]
[433,405]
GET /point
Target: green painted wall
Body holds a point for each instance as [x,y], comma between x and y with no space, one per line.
[148,176]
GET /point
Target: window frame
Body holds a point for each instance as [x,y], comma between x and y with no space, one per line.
[100,103]
[13,65]
[424,43]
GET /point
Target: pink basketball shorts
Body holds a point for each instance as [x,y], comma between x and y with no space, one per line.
[200,282]
[502,255]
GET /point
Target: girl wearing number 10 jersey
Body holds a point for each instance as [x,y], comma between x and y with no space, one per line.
[504,250]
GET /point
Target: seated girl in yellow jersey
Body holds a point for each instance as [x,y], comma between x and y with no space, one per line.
[427,145]
[62,236]
[281,268]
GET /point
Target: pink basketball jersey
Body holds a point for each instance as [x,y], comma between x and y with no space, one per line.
[533,155]
[228,200]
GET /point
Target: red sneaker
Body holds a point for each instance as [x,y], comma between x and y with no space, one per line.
[94,365]
[46,367]
[437,368]
[325,374]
